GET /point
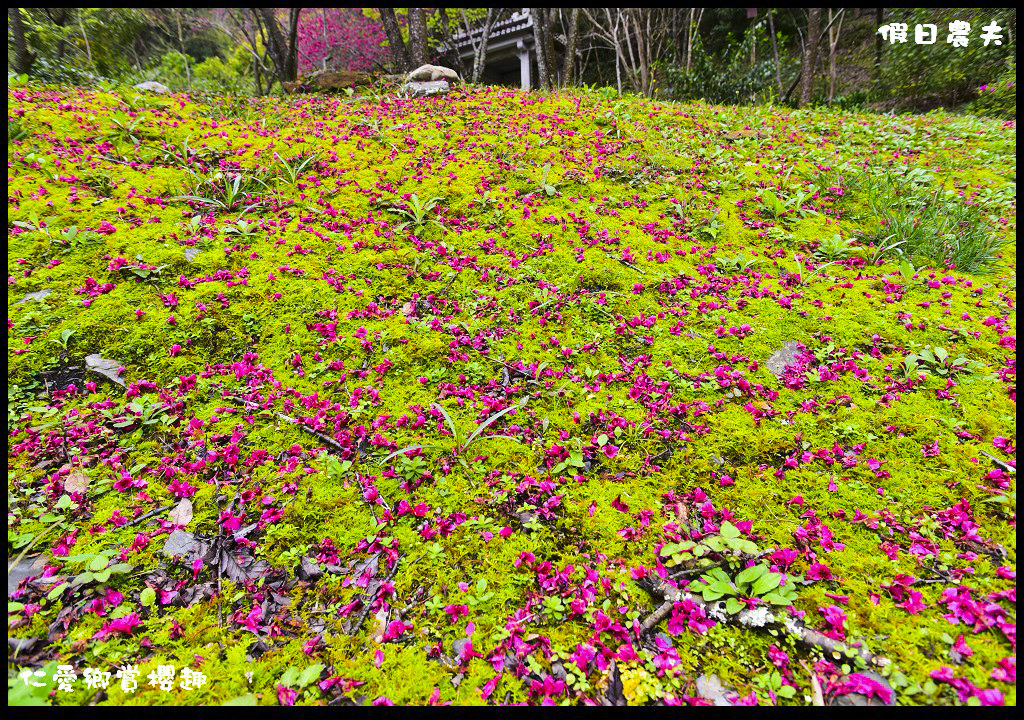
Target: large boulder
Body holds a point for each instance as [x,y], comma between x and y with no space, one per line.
[422,89]
[153,87]
[331,82]
[432,73]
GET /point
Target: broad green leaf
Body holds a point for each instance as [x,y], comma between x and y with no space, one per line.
[751,574]
[734,605]
[99,562]
[729,530]
[290,676]
[247,699]
[310,674]
[767,582]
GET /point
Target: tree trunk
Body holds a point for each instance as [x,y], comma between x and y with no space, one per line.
[480,57]
[85,37]
[418,36]
[181,45]
[642,50]
[810,59]
[326,49]
[548,36]
[543,71]
[23,59]
[775,49]
[833,44]
[446,30]
[293,43]
[569,64]
[59,16]
[283,52]
[879,21]
[689,40]
[399,53]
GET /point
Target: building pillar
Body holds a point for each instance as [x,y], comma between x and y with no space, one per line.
[524,65]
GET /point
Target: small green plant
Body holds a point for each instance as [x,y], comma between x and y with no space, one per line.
[72,238]
[835,248]
[145,411]
[712,228]
[43,163]
[96,567]
[461,443]
[482,595]
[125,127]
[755,582]
[729,542]
[298,679]
[242,228]
[290,171]
[937,361]
[35,223]
[791,206]
[905,218]
[737,264]
[772,682]
[62,341]
[223,191]
[418,213]
[546,187]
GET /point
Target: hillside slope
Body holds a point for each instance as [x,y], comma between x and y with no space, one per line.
[625,346]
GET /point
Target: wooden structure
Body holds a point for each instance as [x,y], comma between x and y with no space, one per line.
[510,51]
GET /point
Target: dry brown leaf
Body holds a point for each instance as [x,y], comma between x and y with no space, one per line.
[816,696]
[382,619]
[182,513]
[76,482]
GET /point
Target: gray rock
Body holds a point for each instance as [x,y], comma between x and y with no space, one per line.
[426,73]
[102,366]
[777,363]
[28,567]
[423,89]
[39,295]
[153,87]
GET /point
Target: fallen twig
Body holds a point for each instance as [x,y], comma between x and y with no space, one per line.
[148,515]
[319,435]
[1004,466]
[631,267]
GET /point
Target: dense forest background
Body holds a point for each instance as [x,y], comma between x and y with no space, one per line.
[722,55]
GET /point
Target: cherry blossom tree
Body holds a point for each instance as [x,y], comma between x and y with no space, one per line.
[339,39]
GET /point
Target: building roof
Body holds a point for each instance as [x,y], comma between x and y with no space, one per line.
[520,23]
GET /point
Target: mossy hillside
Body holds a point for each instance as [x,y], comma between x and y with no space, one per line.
[630,293]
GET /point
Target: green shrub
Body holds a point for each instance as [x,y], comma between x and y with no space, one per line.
[999,98]
[926,76]
[734,80]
